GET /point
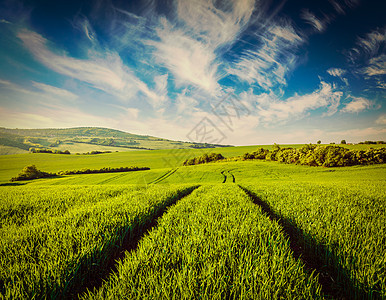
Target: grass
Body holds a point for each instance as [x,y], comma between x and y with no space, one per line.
[345,226]
[215,243]
[10,165]
[52,239]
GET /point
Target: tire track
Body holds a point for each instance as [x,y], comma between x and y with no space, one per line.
[225,177]
[228,177]
[112,178]
[96,275]
[332,285]
[164,176]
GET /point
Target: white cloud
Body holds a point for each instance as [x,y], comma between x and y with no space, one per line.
[268,65]
[54,91]
[336,72]
[372,41]
[215,23]
[381,85]
[377,66]
[89,31]
[159,97]
[51,117]
[357,135]
[189,60]
[381,120]
[270,109]
[185,104]
[5,21]
[338,6]
[105,72]
[297,106]
[5,82]
[357,105]
[311,19]
[190,45]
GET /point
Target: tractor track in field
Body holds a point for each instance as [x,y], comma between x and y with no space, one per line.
[328,278]
[98,275]
[163,176]
[228,177]
[113,178]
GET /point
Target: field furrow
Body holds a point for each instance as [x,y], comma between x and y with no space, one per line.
[214,244]
[342,229]
[71,240]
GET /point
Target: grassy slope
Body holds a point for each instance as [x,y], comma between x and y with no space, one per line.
[84,139]
[214,244]
[9,150]
[11,165]
[270,179]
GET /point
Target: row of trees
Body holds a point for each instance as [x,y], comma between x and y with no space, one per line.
[310,155]
[38,150]
[103,170]
[31,172]
[206,158]
[326,156]
[94,152]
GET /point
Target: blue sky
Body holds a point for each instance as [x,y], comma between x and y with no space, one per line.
[239,72]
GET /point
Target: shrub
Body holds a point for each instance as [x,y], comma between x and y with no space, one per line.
[31,172]
[206,158]
[315,155]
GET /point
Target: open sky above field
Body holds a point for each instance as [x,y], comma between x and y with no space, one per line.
[232,72]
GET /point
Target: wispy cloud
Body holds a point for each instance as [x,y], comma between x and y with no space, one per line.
[310,18]
[369,58]
[339,7]
[189,60]
[5,21]
[271,110]
[215,23]
[337,72]
[189,46]
[55,91]
[369,44]
[105,71]
[5,82]
[84,25]
[268,65]
[376,66]
[381,120]
[357,104]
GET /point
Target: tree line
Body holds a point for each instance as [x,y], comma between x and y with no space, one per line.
[310,155]
[31,172]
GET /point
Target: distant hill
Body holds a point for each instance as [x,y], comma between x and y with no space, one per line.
[85,139]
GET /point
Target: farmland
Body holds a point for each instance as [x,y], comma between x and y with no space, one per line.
[225,230]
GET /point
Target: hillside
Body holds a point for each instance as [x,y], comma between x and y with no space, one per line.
[85,139]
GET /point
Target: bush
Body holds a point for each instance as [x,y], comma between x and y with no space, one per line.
[37,150]
[103,170]
[315,155]
[31,172]
[203,159]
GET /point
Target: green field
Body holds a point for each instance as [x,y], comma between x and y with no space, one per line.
[225,230]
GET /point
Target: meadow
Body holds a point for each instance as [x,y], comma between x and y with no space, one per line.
[225,230]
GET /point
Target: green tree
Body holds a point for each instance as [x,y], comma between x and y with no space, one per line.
[343,142]
[319,142]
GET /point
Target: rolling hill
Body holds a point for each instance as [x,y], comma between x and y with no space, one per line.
[85,139]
